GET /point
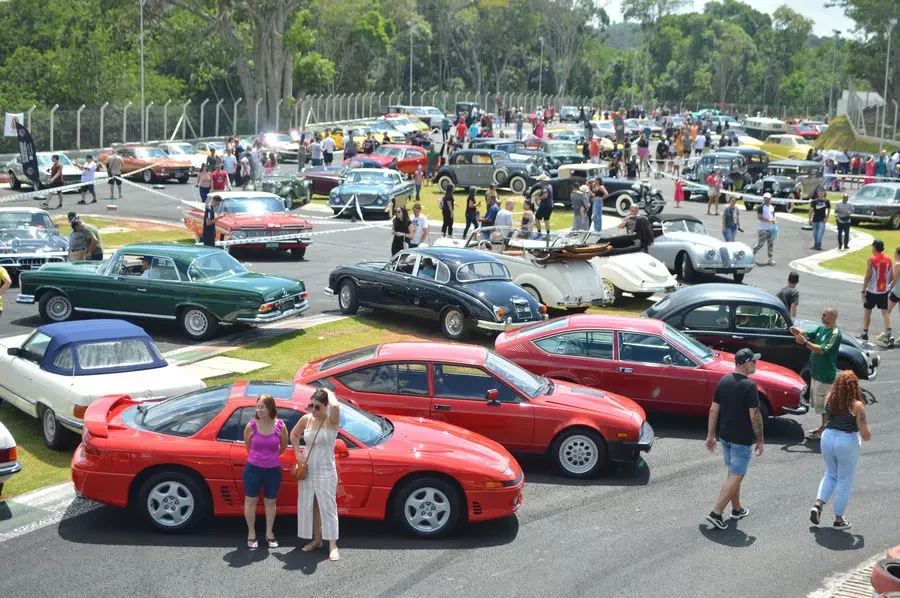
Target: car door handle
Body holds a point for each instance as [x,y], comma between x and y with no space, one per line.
[737,337]
[626,371]
[141,290]
[239,463]
[442,407]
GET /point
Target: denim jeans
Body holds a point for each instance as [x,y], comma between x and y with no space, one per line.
[728,233]
[841,453]
[818,232]
[418,190]
[518,132]
[843,234]
[597,207]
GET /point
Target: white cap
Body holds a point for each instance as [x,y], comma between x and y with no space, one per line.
[767,196]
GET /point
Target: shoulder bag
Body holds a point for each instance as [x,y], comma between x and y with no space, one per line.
[300,468]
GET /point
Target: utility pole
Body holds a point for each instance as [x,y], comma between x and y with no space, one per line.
[833,62]
[143,113]
[411,29]
[887,65]
[541,71]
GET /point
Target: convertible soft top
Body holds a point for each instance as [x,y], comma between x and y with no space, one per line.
[670,217]
[65,334]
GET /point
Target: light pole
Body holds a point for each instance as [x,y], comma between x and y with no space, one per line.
[411,29]
[541,70]
[143,115]
[833,62]
[887,65]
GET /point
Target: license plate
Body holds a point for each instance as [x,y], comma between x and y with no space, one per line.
[273,245]
[286,305]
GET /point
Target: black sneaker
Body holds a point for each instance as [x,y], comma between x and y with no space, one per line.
[716,520]
[864,336]
[842,524]
[814,514]
[739,514]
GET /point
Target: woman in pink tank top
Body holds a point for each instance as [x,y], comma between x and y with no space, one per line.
[266,438]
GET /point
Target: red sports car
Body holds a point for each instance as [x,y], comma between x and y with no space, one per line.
[645,359]
[806,131]
[579,428]
[408,157]
[182,459]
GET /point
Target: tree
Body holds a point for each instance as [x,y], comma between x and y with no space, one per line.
[565,25]
[744,16]
[869,52]
[648,13]
[732,46]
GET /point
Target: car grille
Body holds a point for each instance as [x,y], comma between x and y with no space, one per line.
[366,199]
[273,232]
[767,187]
[521,309]
[71,178]
[178,173]
[725,256]
[34,263]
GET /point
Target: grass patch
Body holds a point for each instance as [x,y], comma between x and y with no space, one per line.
[839,135]
[138,231]
[41,466]
[855,261]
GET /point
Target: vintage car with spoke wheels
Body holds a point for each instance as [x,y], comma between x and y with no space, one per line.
[55,372]
[876,202]
[150,164]
[579,429]
[198,287]
[654,364]
[730,317]
[459,288]
[784,177]
[686,248]
[371,191]
[28,240]
[178,461]
[483,168]
[254,220]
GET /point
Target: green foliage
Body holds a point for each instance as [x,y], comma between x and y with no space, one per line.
[313,73]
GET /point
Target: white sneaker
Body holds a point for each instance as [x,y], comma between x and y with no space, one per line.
[771,262]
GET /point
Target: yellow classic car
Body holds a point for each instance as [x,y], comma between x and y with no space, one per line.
[337,135]
[786,147]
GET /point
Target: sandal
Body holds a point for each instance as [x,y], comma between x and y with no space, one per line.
[273,543]
[252,544]
[334,555]
[814,514]
[311,546]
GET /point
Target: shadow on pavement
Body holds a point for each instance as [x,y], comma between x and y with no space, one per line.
[727,537]
[834,539]
[538,470]
[121,527]
[779,430]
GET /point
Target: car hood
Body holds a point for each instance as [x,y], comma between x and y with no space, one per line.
[270,287]
[273,220]
[640,264]
[168,163]
[31,240]
[593,400]
[434,440]
[770,373]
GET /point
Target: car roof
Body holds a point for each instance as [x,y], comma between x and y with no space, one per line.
[715,291]
[454,254]
[887,184]
[76,331]
[28,209]
[404,146]
[379,170]
[482,151]
[742,150]
[616,322]
[496,141]
[130,146]
[244,194]
[430,351]
[795,163]
[172,250]
[673,217]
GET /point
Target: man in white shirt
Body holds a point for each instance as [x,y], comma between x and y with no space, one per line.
[315,152]
[420,226]
[700,144]
[328,150]
[87,178]
[229,165]
[505,216]
[766,228]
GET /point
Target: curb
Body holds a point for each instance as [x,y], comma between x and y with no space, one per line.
[811,264]
[855,584]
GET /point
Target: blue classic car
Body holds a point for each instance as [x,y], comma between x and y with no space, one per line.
[461,288]
[371,190]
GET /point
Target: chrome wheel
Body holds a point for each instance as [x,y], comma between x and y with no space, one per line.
[196,323]
[345,296]
[518,185]
[610,290]
[148,176]
[578,454]
[51,428]
[59,308]
[454,323]
[170,504]
[427,510]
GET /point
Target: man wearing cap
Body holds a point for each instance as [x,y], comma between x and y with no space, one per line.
[735,418]
[210,217]
[579,199]
[93,246]
[766,229]
[824,344]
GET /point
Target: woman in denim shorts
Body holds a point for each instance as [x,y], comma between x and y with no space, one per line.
[266,438]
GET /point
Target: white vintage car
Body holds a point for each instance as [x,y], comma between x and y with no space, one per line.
[686,248]
[634,272]
[555,271]
[55,372]
[9,463]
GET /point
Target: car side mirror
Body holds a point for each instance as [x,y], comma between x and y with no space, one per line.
[492,396]
[667,359]
[340,449]
[14,351]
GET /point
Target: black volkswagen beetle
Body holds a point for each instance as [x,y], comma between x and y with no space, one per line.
[464,290]
[729,317]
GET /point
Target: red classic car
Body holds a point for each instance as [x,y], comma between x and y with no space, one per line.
[325,178]
[647,360]
[808,132]
[579,428]
[181,459]
[150,164]
[408,157]
[255,215]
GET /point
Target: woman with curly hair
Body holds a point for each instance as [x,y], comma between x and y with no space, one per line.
[846,423]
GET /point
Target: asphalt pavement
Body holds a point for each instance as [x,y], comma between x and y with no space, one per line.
[637,533]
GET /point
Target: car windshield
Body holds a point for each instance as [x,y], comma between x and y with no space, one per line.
[394,152]
[561,146]
[45,161]
[348,358]
[181,149]
[786,171]
[526,382]
[682,226]
[365,427]
[24,220]
[150,153]
[700,351]
[382,126]
[372,177]
[875,194]
[214,266]
[252,205]
[273,138]
[399,121]
[475,271]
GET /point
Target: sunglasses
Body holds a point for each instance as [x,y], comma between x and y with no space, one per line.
[315,406]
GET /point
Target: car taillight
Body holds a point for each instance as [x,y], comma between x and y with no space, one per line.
[543,309]
[265,307]
[8,454]
[79,410]
[304,294]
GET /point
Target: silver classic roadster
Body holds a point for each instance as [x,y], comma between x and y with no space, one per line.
[686,248]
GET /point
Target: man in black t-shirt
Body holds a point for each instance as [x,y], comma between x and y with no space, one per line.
[735,417]
[789,295]
[209,220]
[819,211]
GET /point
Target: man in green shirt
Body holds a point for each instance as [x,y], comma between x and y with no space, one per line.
[94,249]
[824,344]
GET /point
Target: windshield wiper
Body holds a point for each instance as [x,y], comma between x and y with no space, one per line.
[386,428]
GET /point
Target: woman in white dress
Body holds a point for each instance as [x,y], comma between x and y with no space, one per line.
[317,516]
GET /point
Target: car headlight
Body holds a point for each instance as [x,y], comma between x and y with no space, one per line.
[636,187]
[739,254]
[381,199]
[335,198]
[776,186]
[711,254]
[238,234]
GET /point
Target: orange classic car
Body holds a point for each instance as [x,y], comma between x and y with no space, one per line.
[150,164]
[252,219]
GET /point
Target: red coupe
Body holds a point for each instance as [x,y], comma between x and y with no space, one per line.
[408,157]
[809,133]
[645,359]
[179,460]
[579,428]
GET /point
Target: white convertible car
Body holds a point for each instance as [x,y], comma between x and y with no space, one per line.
[55,372]
[556,271]
[628,270]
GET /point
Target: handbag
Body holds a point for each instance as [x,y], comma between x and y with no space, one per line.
[300,468]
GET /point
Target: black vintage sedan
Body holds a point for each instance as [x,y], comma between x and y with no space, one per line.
[877,202]
[730,317]
[462,289]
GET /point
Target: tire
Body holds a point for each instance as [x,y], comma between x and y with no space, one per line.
[13,181]
[427,507]
[173,501]
[686,268]
[642,296]
[147,175]
[55,307]
[298,252]
[654,205]
[182,181]
[750,206]
[738,278]
[894,222]
[445,181]
[499,177]
[789,207]
[453,323]
[517,185]
[55,436]
[348,297]
[197,323]
[578,452]
[612,292]
[623,205]
[533,292]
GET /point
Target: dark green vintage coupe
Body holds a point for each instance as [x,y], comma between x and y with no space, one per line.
[199,287]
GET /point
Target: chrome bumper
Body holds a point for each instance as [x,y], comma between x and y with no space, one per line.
[800,410]
[8,469]
[581,302]
[24,298]
[868,218]
[75,425]
[328,292]
[502,326]
[873,366]
[277,316]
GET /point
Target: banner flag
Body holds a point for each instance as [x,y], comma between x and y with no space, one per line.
[27,153]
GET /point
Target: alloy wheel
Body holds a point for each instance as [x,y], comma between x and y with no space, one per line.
[196,322]
[51,428]
[344,296]
[578,454]
[427,510]
[170,504]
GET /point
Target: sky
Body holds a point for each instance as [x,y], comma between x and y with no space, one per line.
[826,19]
